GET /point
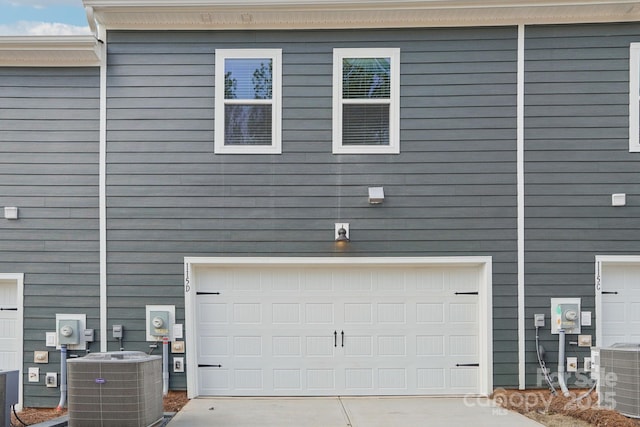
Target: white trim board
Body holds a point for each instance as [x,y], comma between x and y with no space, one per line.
[18,279]
[485,291]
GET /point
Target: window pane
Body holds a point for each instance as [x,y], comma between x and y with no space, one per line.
[366,78]
[249,78]
[365,124]
[247,124]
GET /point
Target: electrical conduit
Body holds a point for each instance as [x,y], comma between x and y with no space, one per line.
[165,366]
[561,371]
[63,377]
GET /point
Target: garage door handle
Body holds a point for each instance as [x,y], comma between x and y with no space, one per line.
[209,366]
[466,293]
[610,293]
[335,338]
[467,364]
[342,333]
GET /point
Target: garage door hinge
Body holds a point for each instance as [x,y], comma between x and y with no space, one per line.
[467,293]
[467,364]
[609,292]
[207,293]
[209,366]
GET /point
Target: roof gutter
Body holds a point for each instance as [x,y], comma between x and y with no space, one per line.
[49,51]
[334,14]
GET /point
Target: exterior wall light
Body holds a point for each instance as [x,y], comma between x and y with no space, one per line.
[11,212]
[342,233]
[376,195]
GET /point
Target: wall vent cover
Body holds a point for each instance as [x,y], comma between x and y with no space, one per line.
[622,390]
[117,389]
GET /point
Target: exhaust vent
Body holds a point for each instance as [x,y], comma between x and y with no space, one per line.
[622,390]
[118,389]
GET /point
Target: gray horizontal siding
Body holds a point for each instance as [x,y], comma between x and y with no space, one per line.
[49,169]
[450,192]
[577,85]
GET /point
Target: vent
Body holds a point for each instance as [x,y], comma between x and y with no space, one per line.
[118,389]
[620,379]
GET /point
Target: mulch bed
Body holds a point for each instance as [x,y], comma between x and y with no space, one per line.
[543,402]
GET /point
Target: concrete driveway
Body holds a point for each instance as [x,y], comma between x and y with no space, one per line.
[347,412]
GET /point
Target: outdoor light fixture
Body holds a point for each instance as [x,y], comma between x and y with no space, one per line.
[376,195]
[342,233]
[11,212]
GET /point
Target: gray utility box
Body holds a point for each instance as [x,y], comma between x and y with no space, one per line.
[9,391]
[620,379]
[117,389]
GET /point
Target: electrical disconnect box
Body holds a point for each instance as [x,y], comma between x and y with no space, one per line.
[565,314]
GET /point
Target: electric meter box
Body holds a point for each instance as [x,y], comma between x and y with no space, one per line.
[159,323]
[160,320]
[565,314]
[68,331]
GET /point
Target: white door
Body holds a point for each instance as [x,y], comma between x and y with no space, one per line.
[9,331]
[337,330]
[620,304]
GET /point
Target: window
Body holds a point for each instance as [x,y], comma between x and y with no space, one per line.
[248,101]
[366,107]
[634,97]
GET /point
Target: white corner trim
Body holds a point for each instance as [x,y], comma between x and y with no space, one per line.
[521,208]
[485,314]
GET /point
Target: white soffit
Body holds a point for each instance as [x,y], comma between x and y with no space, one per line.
[324,14]
[49,51]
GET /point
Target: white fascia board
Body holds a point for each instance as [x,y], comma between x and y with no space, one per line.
[49,51]
[334,14]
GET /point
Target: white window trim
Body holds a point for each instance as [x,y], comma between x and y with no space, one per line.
[634,97]
[394,110]
[276,125]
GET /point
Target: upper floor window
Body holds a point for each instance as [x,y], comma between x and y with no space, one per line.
[634,97]
[248,101]
[366,106]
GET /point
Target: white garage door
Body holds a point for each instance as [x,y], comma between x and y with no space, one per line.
[620,304]
[337,330]
[9,330]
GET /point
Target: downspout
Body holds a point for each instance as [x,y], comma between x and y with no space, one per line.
[521,209]
[101,35]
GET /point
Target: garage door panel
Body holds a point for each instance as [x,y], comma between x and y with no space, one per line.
[358,331]
[620,304]
[319,313]
[321,380]
[212,314]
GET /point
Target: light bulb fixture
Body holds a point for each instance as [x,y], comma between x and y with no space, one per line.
[376,195]
[342,233]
